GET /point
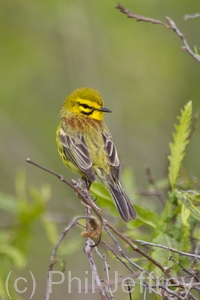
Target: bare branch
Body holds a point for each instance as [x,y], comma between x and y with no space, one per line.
[88,252]
[197,15]
[82,193]
[85,196]
[196,256]
[186,46]
[184,269]
[139,18]
[107,268]
[164,269]
[119,258]
[87,199]
[171,25]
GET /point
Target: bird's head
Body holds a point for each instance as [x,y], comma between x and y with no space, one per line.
[85,101]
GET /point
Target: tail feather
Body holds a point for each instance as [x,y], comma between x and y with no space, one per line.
[122,202]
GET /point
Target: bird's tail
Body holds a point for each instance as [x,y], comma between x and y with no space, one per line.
[122,202]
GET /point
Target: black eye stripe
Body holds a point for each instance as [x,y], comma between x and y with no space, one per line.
[85,106]
[89,109]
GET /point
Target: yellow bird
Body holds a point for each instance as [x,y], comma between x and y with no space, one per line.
[86,146]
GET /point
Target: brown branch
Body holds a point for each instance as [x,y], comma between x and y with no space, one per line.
[171,25]
[184,269]
[168,248]
[84,195]
[105,223]
[158,284]
[136,274]
[164,269]
[139,18]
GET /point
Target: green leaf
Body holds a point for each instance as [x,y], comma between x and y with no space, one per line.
[186,237]
[163,255]
[144,216]
[100,191]
[187,199]
[134,224]
[185,213]
[62,263]
[177,148]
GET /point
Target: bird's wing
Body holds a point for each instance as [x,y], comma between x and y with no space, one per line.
[112,155]
[77,152]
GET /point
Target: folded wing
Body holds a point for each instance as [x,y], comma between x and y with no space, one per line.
[77,152]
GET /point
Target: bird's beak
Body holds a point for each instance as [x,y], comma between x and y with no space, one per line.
[104,109]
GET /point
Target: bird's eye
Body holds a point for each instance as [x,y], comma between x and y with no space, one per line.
[85,105]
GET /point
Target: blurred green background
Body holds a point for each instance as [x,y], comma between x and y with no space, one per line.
[48,49]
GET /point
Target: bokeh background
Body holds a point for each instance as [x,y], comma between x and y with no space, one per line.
[48,49]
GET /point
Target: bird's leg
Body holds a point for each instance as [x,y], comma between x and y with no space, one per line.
[87,182]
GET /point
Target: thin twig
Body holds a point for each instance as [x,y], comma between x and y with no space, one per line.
[73,185]
[171,25]
[145,294]
[184,269]
[165,270]
[119,258]
[139,18]
[158,284]
[192,296]
[167,248]
[197,15]
[88,252]
[105,223]
[185,47]
[143,271]
[107,268]
[87,199]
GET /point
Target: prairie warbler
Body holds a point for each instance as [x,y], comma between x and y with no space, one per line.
[86,146]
